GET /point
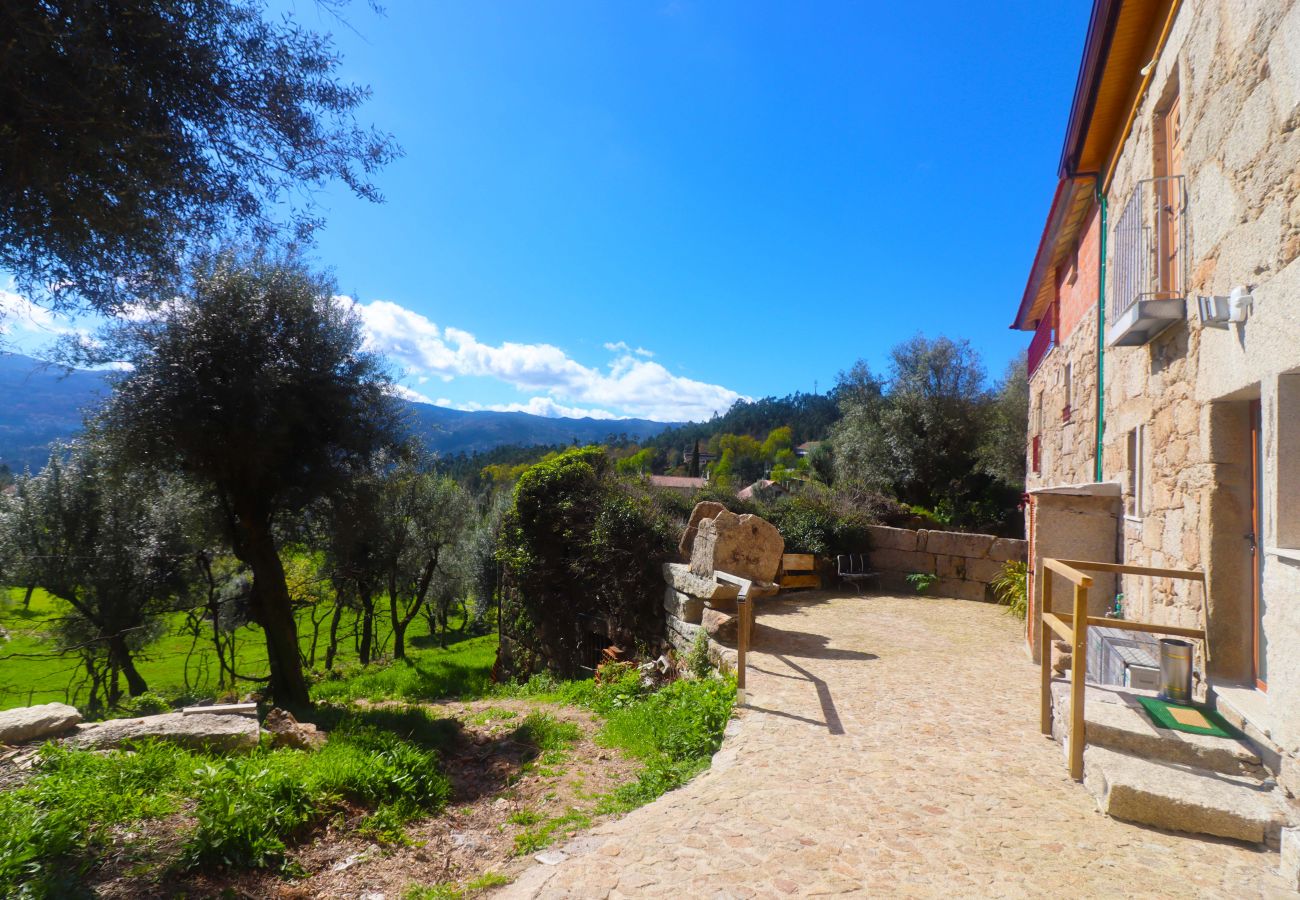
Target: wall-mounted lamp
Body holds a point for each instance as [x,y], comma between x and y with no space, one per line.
[1220,312]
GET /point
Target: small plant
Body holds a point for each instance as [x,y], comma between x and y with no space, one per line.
[922,581]
[146,704]
[697,660]
[1011,586]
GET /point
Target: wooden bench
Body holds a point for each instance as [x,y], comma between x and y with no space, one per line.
[798,570]
[854,568]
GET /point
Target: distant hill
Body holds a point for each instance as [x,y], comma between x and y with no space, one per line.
[41,403]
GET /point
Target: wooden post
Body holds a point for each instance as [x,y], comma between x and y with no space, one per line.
[1045,658]
[1078,672]
[742,638]
[1045,648]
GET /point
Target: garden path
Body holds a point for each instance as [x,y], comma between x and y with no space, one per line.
[889,747]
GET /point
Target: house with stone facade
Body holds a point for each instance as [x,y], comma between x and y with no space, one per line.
[1164,305]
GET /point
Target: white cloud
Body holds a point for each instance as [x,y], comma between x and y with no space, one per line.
[18,314]
[541,406]
[630,385]
[622,347]
[406,393]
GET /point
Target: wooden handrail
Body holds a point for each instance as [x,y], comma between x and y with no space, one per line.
[1073,627]
[749,592]
[1067,571]
[1125,569]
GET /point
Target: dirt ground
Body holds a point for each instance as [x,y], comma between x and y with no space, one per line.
[501,789]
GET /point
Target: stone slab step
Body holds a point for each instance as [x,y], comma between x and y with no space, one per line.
[1114,719]
[1178,798]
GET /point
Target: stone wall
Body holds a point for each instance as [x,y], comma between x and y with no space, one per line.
[966,564]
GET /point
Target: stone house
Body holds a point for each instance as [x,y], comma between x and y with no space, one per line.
[1164,301]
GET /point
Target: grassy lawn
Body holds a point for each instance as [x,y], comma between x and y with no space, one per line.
[30,674]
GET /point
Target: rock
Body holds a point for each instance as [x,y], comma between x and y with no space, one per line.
[551,857]
[30,723]
[683,606]
[680,578]
[720,626]
[287,731]
[748,546]
[705,509]
[204,731]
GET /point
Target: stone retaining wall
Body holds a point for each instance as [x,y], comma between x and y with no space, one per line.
[965,563]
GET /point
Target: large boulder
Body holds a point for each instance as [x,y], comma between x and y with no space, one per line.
[287,731]
[748,546]
[679,577]
[31,723]
[705,509]
[200,731]
[720,626]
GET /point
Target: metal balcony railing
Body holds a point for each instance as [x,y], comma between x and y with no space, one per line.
[1151,245]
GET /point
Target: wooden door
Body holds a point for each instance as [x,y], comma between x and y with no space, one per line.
[1259,643]
[1171,201]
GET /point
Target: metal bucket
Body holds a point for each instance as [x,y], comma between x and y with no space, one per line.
[1175,671]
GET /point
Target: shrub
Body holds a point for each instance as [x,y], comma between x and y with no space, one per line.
[922,581]
[583,549]
[1012,587]
[697,660]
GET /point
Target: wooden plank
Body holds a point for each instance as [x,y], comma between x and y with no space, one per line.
[742,641]
[1060,624]
[800,581]
[1067,571]
[1045,679]
[1078,672]
[1067,620]
[1125,569]
[222,709]
[798,562]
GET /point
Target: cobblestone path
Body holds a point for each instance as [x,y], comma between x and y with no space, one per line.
[889,747]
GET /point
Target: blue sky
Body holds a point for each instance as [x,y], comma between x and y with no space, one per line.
[753,195]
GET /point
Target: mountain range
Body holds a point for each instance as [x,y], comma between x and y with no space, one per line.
[41,403]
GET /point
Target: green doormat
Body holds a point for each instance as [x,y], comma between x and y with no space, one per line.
[1191,719]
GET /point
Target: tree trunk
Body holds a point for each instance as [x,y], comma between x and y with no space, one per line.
[367,626]
[120,656]
[399,626]
[273,610]
[332,649]
[27,597]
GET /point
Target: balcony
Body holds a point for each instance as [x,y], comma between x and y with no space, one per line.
[1149,290]
[1044,339]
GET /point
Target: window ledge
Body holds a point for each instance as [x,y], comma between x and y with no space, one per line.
[1132,520]
[1283,553]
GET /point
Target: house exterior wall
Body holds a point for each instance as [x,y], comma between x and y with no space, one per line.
[1236,70]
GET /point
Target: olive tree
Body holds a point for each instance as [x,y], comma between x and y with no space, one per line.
[116,550]
[133,130]
[255,385]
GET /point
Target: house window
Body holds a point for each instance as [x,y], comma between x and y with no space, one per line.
[1135,500]
[1069,391]
[1286,493]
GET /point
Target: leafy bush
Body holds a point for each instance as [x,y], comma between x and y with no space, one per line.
[697,660]
[1012,588]
[248,807]
[146,704]
[922,581]
[583,548]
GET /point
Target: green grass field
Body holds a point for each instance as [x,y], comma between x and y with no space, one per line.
[30,673]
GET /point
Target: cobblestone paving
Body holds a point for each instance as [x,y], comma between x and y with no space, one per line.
[889,747]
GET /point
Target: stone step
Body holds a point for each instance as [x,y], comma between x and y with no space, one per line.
[1114,719]
[1178,798]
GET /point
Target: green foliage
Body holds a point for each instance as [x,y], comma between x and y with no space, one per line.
[545,732]
[818,521]
[930,434]
[1011,586]
[580,544]
[248,807]
[922,581]
[697,660]
[675,731]
[462,670]
[134,131]
[146,704]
